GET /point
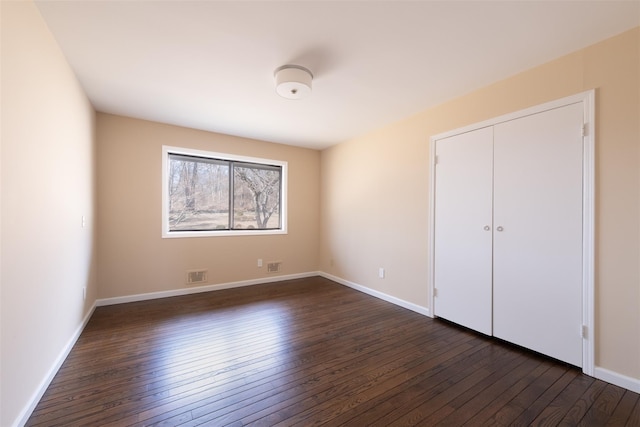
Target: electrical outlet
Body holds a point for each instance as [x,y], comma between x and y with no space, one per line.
[84,293]
[259,262]
[381,273]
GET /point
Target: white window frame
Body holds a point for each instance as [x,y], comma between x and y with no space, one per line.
[166,234]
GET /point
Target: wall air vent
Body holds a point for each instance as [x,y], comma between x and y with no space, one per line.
[274,267]
[196,277]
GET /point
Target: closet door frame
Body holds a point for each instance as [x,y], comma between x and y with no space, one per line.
[588,210]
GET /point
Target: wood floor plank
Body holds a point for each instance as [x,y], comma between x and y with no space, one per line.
[581,406]
[322,383]
[464,407]
[311,367]
[456,371]
[603,407]
[560,406]
[309,352]
[513,409]
[621,415]
[537,406]
[498,402]
[363,400]
[343,395]
[368,334]
[404,394]
[634,418]
[130,406]
[204,407]
[503,361]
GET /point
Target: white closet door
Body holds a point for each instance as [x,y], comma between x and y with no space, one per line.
[463,229]
[537,287]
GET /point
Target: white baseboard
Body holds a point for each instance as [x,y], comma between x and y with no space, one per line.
[200,289]
[397,301]
[44,384]
[632,384]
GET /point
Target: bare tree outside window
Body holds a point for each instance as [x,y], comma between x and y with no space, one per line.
[263,186]
[200,198]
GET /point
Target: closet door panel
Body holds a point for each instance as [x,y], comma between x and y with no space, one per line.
[537,283]
[462,265]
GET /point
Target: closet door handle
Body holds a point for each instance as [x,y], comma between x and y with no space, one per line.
[500,228]
[487,228]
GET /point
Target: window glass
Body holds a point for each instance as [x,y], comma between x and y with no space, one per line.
[215,194]
[198,194]
[256,196]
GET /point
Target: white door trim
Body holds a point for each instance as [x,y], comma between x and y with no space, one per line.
[588,223]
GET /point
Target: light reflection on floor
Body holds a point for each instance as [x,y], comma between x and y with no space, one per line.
[207,359]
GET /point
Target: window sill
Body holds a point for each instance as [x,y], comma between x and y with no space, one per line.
[219,233]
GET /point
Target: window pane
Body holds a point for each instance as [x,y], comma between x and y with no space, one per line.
[256,197]
[198,194]
[212,194]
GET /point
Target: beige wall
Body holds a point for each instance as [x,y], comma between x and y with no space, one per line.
[135,259]
[374,198]
[47,178]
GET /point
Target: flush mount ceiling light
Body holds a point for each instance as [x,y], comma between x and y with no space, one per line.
[293,81]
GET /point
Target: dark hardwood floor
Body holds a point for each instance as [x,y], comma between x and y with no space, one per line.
[310,352]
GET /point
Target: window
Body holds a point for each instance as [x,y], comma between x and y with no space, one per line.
[214,194]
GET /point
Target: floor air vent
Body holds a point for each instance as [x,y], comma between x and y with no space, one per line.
[196,277]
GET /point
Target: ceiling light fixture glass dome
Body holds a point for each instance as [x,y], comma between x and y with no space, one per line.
[293,81]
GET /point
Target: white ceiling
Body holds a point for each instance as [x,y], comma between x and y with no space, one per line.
[209,64]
